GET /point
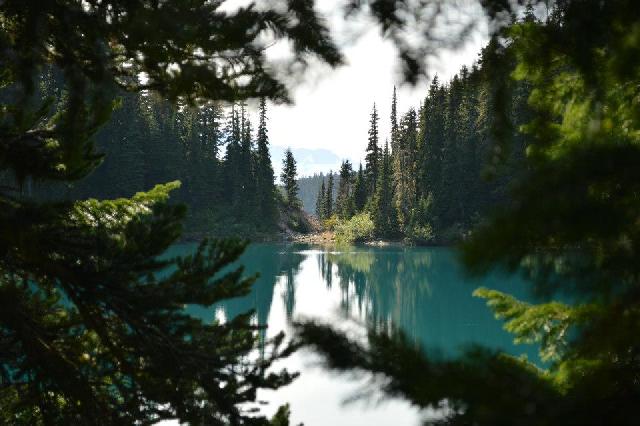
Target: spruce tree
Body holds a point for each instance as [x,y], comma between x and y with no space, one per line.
[289,182]
[432,139]
[372,152]
[404,169]
[246,173]
[328,205]
[93,328]
[265,185]
[384,211]
[344,201]
[232,160]
[321,201]
[394,119]
[209,133]
[451,166]
[570,228]
[360,190]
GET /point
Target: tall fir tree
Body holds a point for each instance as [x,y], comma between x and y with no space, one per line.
[451,170]
[384,212]
[372,152]
[344,201]
[93,326]
[288,177]
[265,181]
[208,132]
[570,227]
[404,169]
[321,201]
[246,203]
[232,180]
[360,190]
[431,141]
[394,119]
[328,204]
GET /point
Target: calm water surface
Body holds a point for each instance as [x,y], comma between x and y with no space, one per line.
[423,291]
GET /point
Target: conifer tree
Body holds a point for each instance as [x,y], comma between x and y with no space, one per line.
[321,201]
[372,152]
[404,169]
[470,182]
[384,211]
[265,185]
[246,172]
[570,228]
[451,170]
[209,134]
[328,205]
[432,135]
[289,181]
[344,201]
[93,328]
[208,129]
[232,159]
[360,190]
[394,119]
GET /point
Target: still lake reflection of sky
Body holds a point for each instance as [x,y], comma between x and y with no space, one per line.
[421,290]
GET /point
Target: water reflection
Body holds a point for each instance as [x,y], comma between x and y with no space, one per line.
[421,291]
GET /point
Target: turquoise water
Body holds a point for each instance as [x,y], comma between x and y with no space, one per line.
[423,291]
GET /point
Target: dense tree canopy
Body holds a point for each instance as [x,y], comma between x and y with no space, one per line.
[570,225]
[92,326]
[288,177]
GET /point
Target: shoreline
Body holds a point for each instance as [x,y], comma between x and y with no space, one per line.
[327,238]
[324,238]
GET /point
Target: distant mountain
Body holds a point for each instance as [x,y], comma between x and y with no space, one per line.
[309,161]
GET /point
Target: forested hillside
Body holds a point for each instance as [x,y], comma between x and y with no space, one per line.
[440,171]
[220,157]
[309,189]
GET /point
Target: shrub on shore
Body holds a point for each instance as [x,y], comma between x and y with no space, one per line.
[359,228]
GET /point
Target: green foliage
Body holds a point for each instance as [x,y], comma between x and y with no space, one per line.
[331,223]
[295,219]
[281,417]
[265,185]
[404,169]
[384,213]
[149,141]
[570,226]
[440,153]
[92,322]
[373,153]
[289,182]
[471,385]
[421,234]
[357,229]
[360,190]
[109,346]
[328,203]
[321,201]
[546,324]
[345,206]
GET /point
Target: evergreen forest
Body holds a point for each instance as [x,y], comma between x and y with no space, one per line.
[221,159]
[124,128]
[441,169]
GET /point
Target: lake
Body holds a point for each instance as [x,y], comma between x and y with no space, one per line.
[423,291]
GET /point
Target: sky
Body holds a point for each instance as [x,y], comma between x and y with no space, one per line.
[331,107]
